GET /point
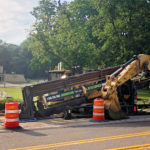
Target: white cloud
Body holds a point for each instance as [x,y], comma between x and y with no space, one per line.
[15,19]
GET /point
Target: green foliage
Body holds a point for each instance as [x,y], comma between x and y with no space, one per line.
[42,36]
[17,59]
[61,33]
[85,33]
[8,53]
[14,92]
[24,62]
[89,33]
[123,29]
[73,34]
[144,94]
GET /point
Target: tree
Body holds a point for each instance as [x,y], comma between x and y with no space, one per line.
[61,33]
[89,33]
[7,54]
[123,29]
[42,35]
[74,35]
[23,62]
[17,59]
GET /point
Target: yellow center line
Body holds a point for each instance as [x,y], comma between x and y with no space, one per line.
[77,142]
[135,147]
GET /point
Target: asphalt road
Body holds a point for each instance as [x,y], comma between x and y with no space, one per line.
[78,136]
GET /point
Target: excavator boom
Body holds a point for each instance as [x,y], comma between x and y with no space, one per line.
[109,92]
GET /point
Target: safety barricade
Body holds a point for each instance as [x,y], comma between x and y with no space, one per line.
[98,109]
[11,114]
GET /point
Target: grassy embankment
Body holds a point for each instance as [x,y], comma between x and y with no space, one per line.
[144,94]
[16,94]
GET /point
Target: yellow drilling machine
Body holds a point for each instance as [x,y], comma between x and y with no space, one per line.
[114,85]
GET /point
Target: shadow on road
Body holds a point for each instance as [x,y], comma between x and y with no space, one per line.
[108,124]
[26,131]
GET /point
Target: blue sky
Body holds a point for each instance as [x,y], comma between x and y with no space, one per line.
[16,20]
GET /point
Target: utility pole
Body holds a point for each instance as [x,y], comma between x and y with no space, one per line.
[4,80]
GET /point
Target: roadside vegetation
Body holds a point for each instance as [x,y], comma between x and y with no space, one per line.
[87,33]
[14,92]
[144,94]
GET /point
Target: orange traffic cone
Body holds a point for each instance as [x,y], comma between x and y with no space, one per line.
[11,114]
[98,109]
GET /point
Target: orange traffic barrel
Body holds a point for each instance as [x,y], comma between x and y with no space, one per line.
[98,109]
[11,114]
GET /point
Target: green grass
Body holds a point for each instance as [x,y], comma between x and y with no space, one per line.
[14,92]
[143,94]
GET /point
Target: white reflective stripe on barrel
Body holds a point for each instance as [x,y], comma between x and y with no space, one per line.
[98,106]
[12,120]
[11,103]
[98,114]
[11,111]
